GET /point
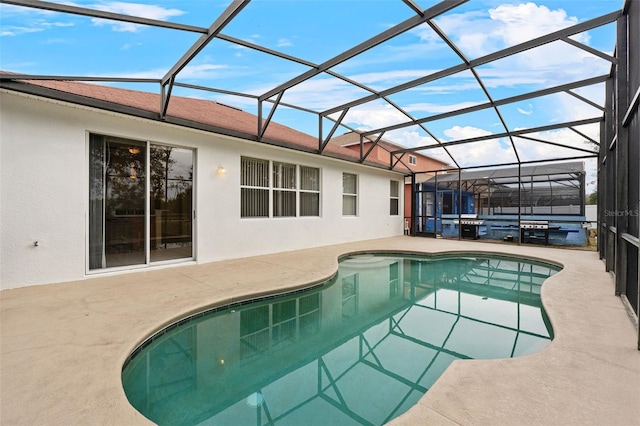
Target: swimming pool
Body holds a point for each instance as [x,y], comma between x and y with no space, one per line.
[360,349]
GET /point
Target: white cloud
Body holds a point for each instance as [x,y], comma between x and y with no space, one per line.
[490,151]
[35,26]
[375,115]
[496,151]
[12,31]
[531,150]
[465,132]
[128,46]
[284,42]
[528,111]
[153,73]
[478,34]
[437,108]
[526,21]
[202,71]
[510,24]
[379,114]
[318,93]
[134,9]
[571,108]
[478,153]
[7,11]
[56,24]
[411,138]
[389,77]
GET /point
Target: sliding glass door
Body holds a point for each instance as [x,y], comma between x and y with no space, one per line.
[140,203]
[171,196]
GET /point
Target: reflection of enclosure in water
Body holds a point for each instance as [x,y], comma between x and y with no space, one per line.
[384,324]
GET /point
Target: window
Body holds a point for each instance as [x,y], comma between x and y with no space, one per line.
[276,189]
[309,191]
[349,194]
[254,187]
[394,192]
[413,160]
[284,190]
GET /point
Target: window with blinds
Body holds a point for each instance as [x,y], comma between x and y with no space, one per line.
[254,187]
[309,191]
[284,189]
[394,194]
[277,189]
[349,194]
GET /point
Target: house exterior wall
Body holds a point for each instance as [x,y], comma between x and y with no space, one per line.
[44,192]
[423,164]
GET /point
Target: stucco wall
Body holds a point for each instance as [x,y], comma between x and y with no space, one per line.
[44,191]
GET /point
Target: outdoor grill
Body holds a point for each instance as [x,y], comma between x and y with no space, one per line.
[470,227]
[534,224]
[471,222]
[532,230]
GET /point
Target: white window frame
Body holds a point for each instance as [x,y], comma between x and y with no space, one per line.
[266,188]
[350,195]
[395,198]
[413,160]
[308,191]
[272,187]
[276,187]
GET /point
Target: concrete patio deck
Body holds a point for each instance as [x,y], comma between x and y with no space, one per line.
[63,345]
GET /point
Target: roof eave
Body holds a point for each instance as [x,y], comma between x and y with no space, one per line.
[75,99]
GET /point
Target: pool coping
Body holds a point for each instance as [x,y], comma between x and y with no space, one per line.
[63,345]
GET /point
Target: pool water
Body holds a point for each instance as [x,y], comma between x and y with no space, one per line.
[360,349]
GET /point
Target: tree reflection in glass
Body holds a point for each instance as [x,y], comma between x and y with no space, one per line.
[171,195]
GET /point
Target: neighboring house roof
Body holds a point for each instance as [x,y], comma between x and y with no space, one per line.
[188,112]
[353,138]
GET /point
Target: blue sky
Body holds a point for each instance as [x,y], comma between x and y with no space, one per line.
[40,42]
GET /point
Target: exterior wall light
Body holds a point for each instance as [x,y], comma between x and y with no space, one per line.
[221,170]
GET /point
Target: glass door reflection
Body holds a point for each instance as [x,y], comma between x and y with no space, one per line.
[140,202]
[171,200]
[117,233]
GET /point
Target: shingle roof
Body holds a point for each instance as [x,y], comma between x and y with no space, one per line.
[189,112]
[351,138]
